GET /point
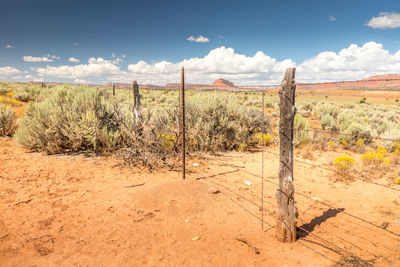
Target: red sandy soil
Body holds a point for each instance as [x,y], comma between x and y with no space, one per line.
[78,210]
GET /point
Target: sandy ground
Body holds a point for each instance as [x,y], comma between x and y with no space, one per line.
[83,211]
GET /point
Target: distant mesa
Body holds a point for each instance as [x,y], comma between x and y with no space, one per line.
[223,83]
[383,77]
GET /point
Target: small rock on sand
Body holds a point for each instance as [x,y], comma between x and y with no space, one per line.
[213,190]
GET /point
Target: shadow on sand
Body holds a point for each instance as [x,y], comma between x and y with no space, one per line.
[305,229]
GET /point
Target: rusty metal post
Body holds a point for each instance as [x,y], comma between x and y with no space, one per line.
[183,129]
[262,163]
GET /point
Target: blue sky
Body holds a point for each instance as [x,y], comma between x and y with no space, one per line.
[249,42]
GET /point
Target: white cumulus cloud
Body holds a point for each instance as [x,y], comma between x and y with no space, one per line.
[220,62]
[351,63]
[9,71]
[199,39]
[37,59]
[385,20]
[73,60]
[96,67]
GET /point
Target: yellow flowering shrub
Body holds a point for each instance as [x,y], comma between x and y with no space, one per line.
[377,157]
[360,142]
[344,164]
[396,150]
[167,141]
[331,144]
[242,147]
[265,139]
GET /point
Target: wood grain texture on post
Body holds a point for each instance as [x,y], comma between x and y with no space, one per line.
[136,106]
[287,210]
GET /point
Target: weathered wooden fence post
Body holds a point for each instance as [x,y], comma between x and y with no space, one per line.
[183,129]
[113,89]
[136,106]
[287,210]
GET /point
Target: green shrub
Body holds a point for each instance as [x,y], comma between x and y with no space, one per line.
[345,117]
[215,123]
[301,130]
[28,93]
[7,121]
[352,131]
[391,137]
[73,119]
[330,109]
[328,122]
[4,90]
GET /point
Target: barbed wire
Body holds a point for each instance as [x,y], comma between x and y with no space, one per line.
[338,133]
[329,245]
[268,179]
[335,171]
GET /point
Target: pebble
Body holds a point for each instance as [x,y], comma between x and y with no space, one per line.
[213,190]
[247,182]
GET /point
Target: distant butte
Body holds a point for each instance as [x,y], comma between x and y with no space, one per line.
[223,83]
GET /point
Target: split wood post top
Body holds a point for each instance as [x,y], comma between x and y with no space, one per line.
[136,105]
[287,210]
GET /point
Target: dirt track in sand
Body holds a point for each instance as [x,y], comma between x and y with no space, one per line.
[77,210]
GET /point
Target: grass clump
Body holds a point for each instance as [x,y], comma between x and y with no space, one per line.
[74,119]
[7,121]
[343,165]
